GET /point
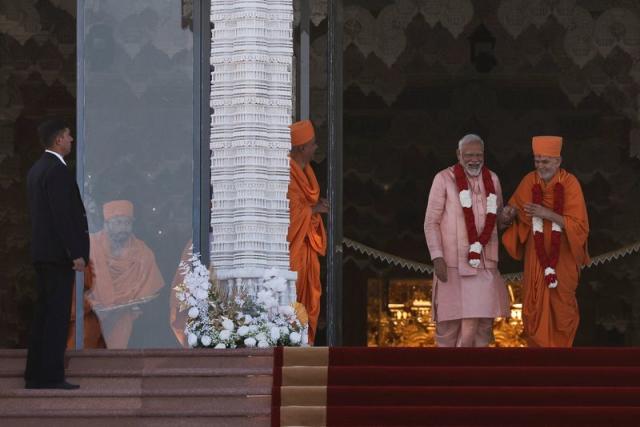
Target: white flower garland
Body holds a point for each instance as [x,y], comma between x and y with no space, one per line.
[538,227]
[492,208]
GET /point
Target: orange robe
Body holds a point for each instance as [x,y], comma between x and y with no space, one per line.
[307,240]
[550,315]
[117,280]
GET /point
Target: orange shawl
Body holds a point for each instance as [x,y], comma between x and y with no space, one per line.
[550,315]
[131,276]
[118,280]
[307,240]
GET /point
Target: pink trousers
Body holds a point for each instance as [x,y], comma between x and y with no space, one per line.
[473,332]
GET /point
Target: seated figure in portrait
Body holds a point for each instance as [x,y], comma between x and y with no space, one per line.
[123,275]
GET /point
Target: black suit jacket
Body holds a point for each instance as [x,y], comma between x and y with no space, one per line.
[59,230]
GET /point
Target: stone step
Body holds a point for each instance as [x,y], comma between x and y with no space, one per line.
[133,418]
[229,402]
[144,388]
[134,421]
[147,359]
[141,393]
[154,352]
[153,372]
[197,379]
[152,363]
[185,411]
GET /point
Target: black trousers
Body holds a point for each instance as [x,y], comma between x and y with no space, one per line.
[48,341]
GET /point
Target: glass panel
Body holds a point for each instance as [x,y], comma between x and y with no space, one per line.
[138,162]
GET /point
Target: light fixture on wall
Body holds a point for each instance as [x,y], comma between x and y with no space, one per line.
[482,44]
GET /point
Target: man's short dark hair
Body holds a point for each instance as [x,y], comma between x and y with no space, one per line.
[50,129]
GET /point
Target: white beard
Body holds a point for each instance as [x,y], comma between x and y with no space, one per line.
[473,172]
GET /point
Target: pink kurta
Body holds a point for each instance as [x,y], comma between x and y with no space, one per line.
[469,292]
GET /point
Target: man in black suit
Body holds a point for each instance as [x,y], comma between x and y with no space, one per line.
[59,246]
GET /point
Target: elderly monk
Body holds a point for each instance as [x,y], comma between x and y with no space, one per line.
[550,231]
[123,272]
[307,237]
[460,227]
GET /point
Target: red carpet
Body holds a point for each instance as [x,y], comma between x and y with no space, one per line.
[446,387]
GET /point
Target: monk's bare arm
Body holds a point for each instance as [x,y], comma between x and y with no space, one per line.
[321,207]
[506,217]
[558,219]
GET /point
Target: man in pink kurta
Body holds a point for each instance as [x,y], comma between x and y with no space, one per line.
[465,299]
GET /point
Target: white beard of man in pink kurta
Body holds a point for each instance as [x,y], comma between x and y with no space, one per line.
[465,299]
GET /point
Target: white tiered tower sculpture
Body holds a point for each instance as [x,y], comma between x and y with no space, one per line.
[251,98]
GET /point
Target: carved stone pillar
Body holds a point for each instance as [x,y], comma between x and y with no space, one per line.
[251,56]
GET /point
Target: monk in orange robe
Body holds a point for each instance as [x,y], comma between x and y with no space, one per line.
[123,275]
[307,237]
[550,310]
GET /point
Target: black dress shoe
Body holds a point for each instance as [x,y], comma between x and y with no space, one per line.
[66,386]
[32,385]
[62,385]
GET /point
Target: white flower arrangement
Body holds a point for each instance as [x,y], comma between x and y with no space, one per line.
[219,320]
